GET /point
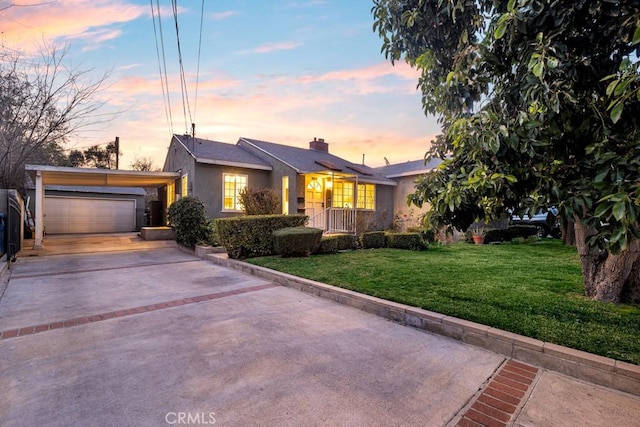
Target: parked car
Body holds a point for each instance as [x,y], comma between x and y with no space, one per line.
[546,222]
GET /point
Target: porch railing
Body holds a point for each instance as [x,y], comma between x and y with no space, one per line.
[333,220]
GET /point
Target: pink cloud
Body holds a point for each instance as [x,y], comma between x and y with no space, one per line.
[372,72]
[272,47]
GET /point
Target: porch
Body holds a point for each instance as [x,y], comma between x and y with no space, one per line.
[333,220]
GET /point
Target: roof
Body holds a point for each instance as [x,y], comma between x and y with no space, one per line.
[410,168]
[61,175]
[305,160]
[129,191]
[220,153]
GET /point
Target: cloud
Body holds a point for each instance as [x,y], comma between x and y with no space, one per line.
[223,15]
[64,19]
[271,47]
[372,72]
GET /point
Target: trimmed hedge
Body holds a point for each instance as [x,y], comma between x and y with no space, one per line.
[373,239]
[513,232]
[428,235]
[411,241]
[296,241]
[346,241]
[522,231]
[328,245]
[250,236]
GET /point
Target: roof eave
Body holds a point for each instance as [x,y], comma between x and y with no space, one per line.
[233,164]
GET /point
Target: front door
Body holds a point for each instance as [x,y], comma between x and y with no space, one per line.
[314,201]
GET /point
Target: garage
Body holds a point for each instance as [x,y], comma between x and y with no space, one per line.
[65,215]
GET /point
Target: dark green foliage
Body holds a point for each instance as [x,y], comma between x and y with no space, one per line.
[296,241]
[372,239]
[328,245]
[188,218]
[259,201]
[496,235]
[410,241]
[428,235]
[523,231]
[248,236]
[346,242]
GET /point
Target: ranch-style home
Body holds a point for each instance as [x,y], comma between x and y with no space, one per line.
[337,195]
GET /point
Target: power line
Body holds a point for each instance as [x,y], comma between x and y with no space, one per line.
[183,82]
[195,100]
[163,82]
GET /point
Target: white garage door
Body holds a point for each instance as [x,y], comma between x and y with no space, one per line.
[85,215]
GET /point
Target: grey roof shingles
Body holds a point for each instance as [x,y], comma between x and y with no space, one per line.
[306,160]
[414,167]
[219,151]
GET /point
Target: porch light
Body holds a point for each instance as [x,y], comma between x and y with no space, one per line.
[328,183]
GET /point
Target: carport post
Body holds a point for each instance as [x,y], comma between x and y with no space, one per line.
[39,205]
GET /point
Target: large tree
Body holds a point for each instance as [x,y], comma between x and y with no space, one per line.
[539,103]
[43,101]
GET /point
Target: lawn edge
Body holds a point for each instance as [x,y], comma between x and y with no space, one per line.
[575,363]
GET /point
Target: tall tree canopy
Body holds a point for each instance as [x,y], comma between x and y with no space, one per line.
[540,105]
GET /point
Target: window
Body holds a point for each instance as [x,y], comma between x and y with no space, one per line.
[285,195]
[232,186]
[366,196]
[185,185]
[171,193]
[343,195]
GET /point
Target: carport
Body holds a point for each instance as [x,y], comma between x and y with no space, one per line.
[65,176]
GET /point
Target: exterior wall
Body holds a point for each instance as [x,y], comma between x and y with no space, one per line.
[208,186]
[384,207]
[179,159]
[406,216]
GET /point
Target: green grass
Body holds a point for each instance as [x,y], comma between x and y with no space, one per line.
[534,289]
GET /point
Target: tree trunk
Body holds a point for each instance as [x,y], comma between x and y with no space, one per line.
[609,277]
[568,231]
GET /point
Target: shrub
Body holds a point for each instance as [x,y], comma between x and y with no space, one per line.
[328,245]
[259,201]
[522,231]
[428,235]
[296,241]
[496,235]
[247,236]
[189,220]
[372,239]
[411,241]
[346,241]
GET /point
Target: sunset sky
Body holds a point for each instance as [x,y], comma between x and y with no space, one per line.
[283,71]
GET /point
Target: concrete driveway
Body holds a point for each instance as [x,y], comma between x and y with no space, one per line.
[156,336]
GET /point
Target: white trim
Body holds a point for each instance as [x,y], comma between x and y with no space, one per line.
[234,164]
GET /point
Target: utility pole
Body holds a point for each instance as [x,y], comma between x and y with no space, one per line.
[117,143]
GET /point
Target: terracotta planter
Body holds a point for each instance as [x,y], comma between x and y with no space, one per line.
[478,240]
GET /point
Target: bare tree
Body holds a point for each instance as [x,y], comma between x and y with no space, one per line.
[42,103]
[143,164]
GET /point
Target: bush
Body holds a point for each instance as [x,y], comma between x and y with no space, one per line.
[497,235]
[428,235]
[296,241]
[189,220]
[411,241]
[259,201]
[372,239]
[523,231]
[346,241]
[248,236]
[328,245]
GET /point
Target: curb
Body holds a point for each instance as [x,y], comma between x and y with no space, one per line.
[579,364]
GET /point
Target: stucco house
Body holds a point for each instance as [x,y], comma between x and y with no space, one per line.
[405,174]
[337,195]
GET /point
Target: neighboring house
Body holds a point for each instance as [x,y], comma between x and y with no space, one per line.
[405,175]
[337,195]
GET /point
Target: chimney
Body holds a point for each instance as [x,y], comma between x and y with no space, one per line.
[319,145]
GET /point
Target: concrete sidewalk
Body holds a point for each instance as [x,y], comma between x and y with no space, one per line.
[149,336]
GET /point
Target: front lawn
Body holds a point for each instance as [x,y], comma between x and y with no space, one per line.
[533,289]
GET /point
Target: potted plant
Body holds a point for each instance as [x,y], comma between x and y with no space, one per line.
[478,235]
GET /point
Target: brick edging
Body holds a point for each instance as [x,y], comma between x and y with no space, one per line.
[575,363]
